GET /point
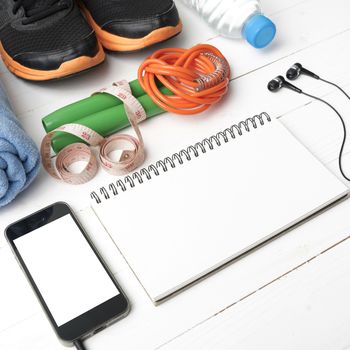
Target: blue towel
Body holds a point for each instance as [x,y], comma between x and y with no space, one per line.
[19,157]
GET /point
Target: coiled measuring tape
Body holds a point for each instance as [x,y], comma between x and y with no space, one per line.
[59,166]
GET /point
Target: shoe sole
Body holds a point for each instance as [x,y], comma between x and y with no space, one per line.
[114,42]
[66,69]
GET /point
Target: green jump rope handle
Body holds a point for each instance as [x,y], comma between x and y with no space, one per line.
[92,112]
[91,105]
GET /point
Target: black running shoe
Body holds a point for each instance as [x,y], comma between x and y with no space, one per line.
[129,25]
[46,39]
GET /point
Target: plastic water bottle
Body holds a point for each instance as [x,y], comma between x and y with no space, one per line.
[237,19]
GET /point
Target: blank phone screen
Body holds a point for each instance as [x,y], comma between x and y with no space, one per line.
[67,272]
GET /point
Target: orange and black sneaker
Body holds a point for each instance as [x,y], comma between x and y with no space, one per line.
[130,25]
[46,39]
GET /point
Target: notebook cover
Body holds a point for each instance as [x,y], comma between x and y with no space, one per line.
[188,220]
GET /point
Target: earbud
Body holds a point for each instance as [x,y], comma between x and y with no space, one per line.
[297,69]
[279,82]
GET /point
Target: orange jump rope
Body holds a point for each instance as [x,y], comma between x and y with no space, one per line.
[197,77]
[175,80]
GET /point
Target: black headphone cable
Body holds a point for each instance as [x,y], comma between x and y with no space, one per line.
[343,125]
[337,86]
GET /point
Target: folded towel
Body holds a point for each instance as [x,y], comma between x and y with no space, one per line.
[19,157]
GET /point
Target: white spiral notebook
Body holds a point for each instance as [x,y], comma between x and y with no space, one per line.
[212,202]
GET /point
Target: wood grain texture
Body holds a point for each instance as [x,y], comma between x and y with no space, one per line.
[305,309]
[273,284]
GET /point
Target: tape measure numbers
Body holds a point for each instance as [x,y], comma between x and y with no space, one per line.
[59,166]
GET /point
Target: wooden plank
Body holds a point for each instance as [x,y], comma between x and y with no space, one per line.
[300,27]
[56,94]
[148,327]
[305,309]
[247,97]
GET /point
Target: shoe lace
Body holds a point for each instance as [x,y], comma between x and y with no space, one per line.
[36,10]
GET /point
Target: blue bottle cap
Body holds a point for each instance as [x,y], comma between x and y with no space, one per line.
[259,31]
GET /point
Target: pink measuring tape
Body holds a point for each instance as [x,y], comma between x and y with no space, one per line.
[129,160]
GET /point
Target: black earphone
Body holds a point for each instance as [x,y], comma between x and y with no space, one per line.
[297,69]
[293,73]
[279,82]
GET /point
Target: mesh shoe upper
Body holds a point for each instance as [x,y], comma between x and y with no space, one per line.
[104,11]
[55,32]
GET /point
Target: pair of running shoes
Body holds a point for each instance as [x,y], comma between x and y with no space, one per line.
[51,39]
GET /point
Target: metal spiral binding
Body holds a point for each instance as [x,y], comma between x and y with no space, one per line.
[162,166]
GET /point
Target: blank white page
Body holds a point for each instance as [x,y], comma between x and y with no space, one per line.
[182,224]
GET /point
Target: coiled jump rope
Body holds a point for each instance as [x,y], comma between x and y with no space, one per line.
[181,81]
[198,78]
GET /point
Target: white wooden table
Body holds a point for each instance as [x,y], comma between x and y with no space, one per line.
[290,294]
